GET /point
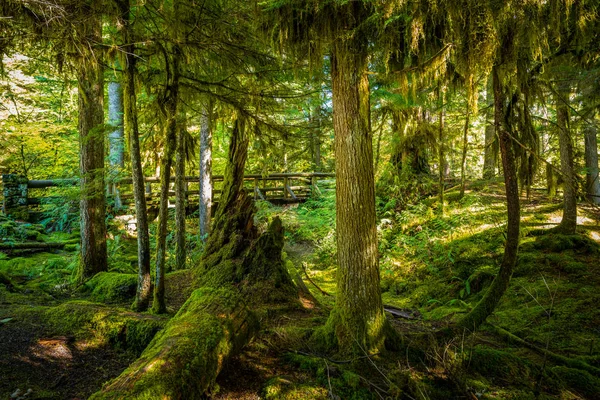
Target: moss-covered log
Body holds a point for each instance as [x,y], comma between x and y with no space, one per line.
[185,358]
[240,271]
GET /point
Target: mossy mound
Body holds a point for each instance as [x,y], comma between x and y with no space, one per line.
[555,242]
[13,231]
[95,322]
[499,365]
[112,287]
[579,381]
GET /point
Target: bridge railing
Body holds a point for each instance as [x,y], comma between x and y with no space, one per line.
[277,188]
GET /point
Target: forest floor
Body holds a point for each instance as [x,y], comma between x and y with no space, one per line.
[64,343]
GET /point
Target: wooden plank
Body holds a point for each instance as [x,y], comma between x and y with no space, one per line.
[291,192]
[258,193]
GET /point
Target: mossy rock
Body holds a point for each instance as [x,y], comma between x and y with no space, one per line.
[579,381]
[112,287]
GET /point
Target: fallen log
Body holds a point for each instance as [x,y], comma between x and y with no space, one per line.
[184,359]
[39,246]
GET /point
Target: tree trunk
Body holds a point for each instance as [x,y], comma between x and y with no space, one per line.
[463,164]
[115,138]
[316,137]
[90,80]
[551,181]
[180,198]
[170,114]
[358,319]
[144,286]
[206,186]
[490,158]
[492,297]
[568,224]
[441,155]
[591,163]
[115,119]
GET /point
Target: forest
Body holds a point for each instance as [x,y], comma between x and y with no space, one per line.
[299,199]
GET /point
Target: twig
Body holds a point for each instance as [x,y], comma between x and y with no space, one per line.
[313,283]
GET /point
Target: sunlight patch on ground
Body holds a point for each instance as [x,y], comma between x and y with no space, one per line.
[52,349]
[595,235]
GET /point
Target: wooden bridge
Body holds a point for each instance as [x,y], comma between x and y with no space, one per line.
[277,188]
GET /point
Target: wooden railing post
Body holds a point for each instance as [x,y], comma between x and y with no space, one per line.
[15,196]
[285,187]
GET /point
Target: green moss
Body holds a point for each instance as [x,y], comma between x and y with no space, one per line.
[95,322]
[496,364]
[185,357]
[558,242]
[580,381]
[112,287]
[283,388]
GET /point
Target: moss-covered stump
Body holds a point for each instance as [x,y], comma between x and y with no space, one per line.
[112,287]
[240,271]
[184,359]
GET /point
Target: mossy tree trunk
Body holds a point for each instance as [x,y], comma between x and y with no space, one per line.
[498,287]
[591,162]
[90,81]
[144,286]
[441,149]
[463,163]
[551,181]
[169,106]
[206,186]
[115,139]
[180,196]
[239,270]
[490,157]
[358,319]
[568,224]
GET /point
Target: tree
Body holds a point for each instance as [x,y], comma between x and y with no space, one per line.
[568,224]
[590,133]
[357,323]
[129,59]
[115,137]
[90,83]
[206,187]
[491,142]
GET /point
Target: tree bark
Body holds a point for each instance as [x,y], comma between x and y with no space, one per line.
[115,119]
[591,163]
[169,106]
[206,186]
[180,198]
[90,80]
[463,163]
[490,157]
[130,116]
[115,138]
[441,155]
[568,224]
[358,319]
[498,287]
